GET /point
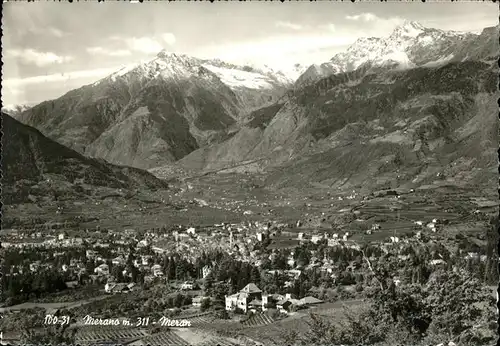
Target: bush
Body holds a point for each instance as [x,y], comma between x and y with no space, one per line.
[205,305]
[270,305]
[222,314]
[446,307]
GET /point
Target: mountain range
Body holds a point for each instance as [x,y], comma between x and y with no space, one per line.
[404,109]
[156,112]
[410,45]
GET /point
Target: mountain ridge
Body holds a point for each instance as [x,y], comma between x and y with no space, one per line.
[419,113]
[37,168]
[409,45]
[154,113]
[201,113]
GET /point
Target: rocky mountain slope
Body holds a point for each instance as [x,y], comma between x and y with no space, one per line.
[385,121]
[157,112]
[36,168]
[393,127]
[410,45]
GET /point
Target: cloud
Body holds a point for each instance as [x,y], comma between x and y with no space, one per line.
[374,25]
[276,50]
[108,52]
[143,45]
[40,59]
[289,25]
[56,32]
[330,27]
[168,38]
[15,83]
[364,17]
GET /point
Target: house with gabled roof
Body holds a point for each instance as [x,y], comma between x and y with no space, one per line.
[241,299]
[309,300]
[251,289]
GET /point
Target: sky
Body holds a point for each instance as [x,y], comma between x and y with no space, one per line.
[50,48]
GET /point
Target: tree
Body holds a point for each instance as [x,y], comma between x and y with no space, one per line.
[452,298]
[280,262]
[208,284]
[117,273]
[222,314]
[178,300]
[255,276]
[205,305]
[53,335]
[491,275]
[171,272]
[220,291]
[302,255]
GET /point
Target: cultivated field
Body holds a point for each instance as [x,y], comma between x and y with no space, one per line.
[95,334]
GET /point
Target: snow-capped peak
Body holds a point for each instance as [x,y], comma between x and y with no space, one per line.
[409,45]
[172,57]
[177,66]
[412,25]
[164,54]
[408,29]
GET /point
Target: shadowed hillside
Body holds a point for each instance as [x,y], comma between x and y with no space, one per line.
[34,165]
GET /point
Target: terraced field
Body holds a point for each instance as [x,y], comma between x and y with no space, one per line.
[168,338]
[91,335]
[258,320]
[205,337]
[198,321]
[276,332]
[219,341]
[208,321]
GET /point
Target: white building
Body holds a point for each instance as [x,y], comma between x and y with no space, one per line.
[315,239]
[142,243]
[108,288]
[250,293]
[205,271]
[157,270]
[102,269]
[198,300]
[437,262]
[118,261]
[333,242]
[90,253]
[145,259]
[187,286]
